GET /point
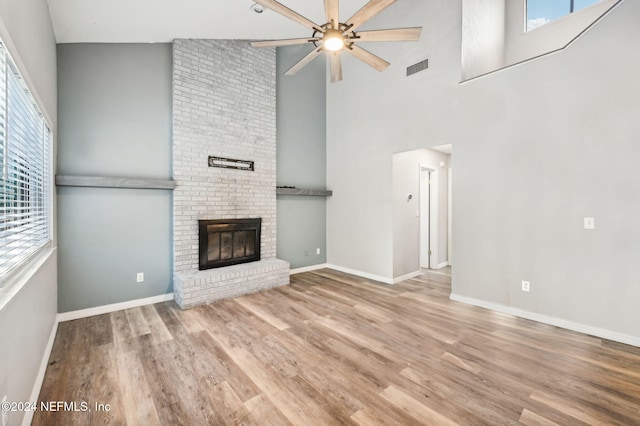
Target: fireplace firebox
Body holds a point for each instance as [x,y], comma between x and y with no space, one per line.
[227,242]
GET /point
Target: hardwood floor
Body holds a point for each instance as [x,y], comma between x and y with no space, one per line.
[337,349]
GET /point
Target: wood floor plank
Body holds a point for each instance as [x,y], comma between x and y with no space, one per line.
[293,310]
[263,314]
[121,328]
[332,348]
[189,320]
[582,412]
[530,418]
[364,341]
[419,411]
[226,367]
[383,412]
[364,418]
[352,368]
[166,311]
[159,331]
[138,403]
[179,391]
[467,365]
[99,329]
[263,412]
[477,410]
[372,313]
[230,409]
[137,322]
[281,396]
[105,399]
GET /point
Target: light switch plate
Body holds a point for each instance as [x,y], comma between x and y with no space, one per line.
[589,223]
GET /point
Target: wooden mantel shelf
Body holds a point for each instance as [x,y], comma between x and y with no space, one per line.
[114,182]
[301,191]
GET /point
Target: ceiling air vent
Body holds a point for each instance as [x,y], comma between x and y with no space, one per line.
[420,66]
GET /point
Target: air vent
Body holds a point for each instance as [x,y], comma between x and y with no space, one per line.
[420,66]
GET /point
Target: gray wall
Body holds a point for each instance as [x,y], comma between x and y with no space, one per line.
[115,120]
[301,158]
[27,319]
[538,147]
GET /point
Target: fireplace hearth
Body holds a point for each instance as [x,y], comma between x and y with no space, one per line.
[226,242]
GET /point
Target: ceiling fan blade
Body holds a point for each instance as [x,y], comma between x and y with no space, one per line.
[332,9]
[368,57]
[396,34]
[288,13]
[286,42]
[304,61]
[336,66]
[367,12]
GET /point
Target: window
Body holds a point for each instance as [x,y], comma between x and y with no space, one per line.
[25,143]
[540,12]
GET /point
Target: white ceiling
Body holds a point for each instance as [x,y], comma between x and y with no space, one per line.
[152,21]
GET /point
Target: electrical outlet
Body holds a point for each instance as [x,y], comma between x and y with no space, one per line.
[526,285]
[318,250]
[140,277]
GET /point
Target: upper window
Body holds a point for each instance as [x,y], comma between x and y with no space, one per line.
[25,145]
[540,12]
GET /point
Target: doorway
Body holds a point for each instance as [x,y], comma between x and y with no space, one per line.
[420,237]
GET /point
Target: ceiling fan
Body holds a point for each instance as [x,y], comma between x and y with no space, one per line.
[336,37]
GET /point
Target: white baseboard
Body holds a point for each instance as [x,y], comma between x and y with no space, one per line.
[361,274]
[545,319]
[308,268]
[406,277]
[37,385]
[99,310]
[442,265]
[374,277]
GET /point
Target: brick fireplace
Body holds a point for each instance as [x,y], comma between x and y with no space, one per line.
[223,106]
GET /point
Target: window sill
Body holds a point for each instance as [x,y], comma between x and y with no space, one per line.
[16,280]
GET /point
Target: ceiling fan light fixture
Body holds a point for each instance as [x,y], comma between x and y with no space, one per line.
[333,40]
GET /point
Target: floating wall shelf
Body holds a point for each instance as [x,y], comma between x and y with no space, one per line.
[114,182]
[308,192]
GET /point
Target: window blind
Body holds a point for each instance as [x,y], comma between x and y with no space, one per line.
[25,140]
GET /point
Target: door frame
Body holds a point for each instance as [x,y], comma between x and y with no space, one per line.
[449,216]
[431,219]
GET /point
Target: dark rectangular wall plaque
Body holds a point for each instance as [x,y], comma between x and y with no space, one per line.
[230,163]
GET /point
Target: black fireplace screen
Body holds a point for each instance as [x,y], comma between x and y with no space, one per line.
[227,242]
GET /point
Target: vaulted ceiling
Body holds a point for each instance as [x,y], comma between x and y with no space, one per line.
[152,21]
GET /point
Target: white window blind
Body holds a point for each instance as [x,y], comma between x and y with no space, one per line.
[25,141]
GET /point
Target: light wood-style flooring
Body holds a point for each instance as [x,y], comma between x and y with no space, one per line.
[333,349]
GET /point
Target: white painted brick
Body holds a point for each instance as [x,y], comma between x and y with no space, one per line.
[224,105]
